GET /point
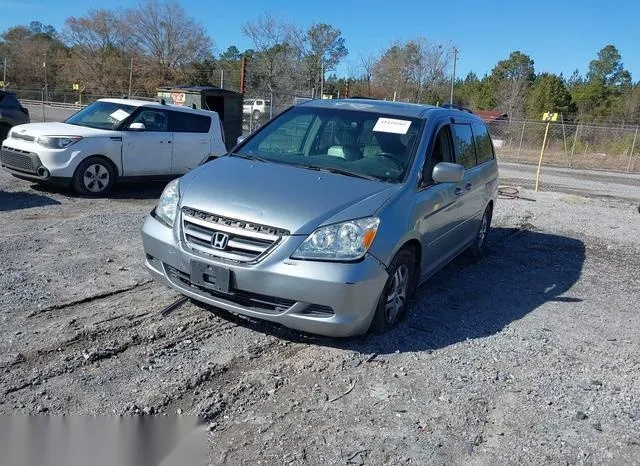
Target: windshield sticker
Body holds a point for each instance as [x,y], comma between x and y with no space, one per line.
[391,125]
[119,114]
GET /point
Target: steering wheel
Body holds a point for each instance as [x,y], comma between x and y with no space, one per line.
[393,158]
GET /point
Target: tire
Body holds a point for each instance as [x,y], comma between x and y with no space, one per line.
[397,292]
[479,242]
[94,177]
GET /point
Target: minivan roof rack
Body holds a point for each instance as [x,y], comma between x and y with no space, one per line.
[457,107]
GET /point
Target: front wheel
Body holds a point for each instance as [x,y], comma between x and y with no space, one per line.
[94,177]
[397,292]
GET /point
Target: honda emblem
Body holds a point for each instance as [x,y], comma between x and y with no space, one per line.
[219,240]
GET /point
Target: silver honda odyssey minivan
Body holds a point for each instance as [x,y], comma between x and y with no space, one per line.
[328,217]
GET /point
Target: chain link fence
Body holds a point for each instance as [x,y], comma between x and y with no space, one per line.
[568,145]
[584,145]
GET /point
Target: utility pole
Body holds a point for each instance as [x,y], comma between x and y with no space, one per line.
[130,76]
[322,76]
[453,76]
[46,86]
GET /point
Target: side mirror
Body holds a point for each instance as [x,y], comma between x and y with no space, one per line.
[445,172]
[241,138]
[137,127]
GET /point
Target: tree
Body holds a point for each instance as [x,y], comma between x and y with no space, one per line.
[274,57]
[606,89]
[608,69]
[475,93]
[101,47]
[548,94]
[511,80]
[322,47]
[27,49]
[168,36]
[413,70]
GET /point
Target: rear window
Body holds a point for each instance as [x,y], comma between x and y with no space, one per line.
[484,148]
[464,145]
[183,122]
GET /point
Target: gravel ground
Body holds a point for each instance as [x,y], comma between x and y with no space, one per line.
[526,356]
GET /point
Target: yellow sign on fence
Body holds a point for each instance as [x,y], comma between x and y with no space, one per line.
[2,84]
[76,87]
[548,116]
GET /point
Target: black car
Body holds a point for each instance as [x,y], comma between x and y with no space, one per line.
[12,113]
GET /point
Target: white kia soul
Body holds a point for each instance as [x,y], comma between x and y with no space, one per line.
[113,139]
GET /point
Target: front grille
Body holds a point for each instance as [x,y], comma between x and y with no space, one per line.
[242,241]
[24,137]
[18,159]
[256,302]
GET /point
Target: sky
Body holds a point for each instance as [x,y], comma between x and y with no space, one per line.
[560,36]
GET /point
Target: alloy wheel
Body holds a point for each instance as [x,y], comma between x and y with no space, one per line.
[397,293]
[96,178]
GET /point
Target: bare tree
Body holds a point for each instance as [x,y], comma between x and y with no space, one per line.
[100,45]
[168,35]
[413,69]
[274,60]
[368,63]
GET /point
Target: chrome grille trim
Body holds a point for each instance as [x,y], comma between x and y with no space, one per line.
[247,242]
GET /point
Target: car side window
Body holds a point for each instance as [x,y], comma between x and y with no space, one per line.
[183,122]
[464,145]
[484,146]
[153,119]
[441,152]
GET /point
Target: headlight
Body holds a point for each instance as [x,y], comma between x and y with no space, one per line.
[57,142]
[168,202]
[341,241]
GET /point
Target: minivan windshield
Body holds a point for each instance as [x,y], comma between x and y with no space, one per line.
[101,115]
[347,141]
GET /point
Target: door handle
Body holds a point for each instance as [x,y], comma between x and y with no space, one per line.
[468,186]
[458,191]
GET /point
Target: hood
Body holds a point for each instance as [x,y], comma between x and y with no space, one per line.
[278,195]
[58,129]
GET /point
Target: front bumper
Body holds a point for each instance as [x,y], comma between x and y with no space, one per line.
[331,299]
[31,161]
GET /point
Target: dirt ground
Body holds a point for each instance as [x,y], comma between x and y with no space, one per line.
[526,356]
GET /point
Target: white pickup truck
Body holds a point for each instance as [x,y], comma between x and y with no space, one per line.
[113,139]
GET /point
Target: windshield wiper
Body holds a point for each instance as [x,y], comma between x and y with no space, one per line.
[249,157]
[340,171]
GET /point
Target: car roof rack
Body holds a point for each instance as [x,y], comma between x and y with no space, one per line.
[457,107]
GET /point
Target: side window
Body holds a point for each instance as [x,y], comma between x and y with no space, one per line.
[464,145]
[484,147]
[183,122]
[441,152]
[153,120]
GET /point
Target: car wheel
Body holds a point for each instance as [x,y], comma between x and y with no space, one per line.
[479,242]
[94,177]
[397,292]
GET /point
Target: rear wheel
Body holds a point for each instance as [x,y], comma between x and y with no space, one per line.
[94,177]
[397,292]
[480,240]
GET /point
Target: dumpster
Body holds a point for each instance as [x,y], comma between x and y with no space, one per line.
[227,104]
